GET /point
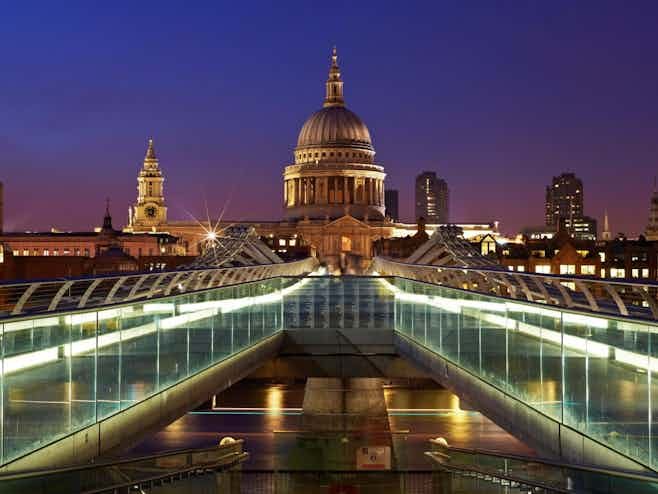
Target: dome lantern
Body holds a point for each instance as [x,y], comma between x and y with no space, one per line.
[334,96]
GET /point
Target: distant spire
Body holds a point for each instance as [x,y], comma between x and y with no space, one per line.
[334,94]
[107,220]
[150,152]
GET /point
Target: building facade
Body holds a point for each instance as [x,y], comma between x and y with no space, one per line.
[333,206]
[333,194]
[564,199]
[619,258]
[391,203]
[432,198]
[334,173]
[30,255]
[580,228]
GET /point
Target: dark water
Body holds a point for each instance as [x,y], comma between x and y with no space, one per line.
[268,417]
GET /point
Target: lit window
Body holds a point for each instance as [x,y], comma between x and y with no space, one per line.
[511,268]
[635,273]
[26,252]
[602,256]
[282,242]
[55,252]
[543,268]
[567,269]
[67,252]
[520,267]
[645,272]
[16,253]
[292,242]
[46,252]
[617,273]
[602,273]
[588,269]
[346,244]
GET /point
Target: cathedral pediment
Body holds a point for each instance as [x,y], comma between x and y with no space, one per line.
[346,221]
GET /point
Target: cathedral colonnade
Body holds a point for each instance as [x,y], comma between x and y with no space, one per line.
[308,190]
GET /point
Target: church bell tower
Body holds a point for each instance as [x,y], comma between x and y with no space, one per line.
[150,209]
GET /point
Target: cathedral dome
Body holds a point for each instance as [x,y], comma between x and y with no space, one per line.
[334,173]
[334,126]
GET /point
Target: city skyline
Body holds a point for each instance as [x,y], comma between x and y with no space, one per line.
[230,111]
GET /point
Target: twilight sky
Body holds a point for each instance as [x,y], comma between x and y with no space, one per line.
[496,97]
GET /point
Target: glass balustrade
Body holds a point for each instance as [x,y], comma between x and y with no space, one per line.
[592,373]
[65,371]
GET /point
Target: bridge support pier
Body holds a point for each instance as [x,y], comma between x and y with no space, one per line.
[345,405]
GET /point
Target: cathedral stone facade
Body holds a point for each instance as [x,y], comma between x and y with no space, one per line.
[333,192]
[334,173]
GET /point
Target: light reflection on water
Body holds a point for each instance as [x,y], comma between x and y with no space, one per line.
[268,417]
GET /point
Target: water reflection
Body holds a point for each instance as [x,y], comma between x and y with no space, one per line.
[269,418]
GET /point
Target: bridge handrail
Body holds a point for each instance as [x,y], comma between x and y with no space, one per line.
[113,475]
[635,475]
[539,472]
[625,298]
[49,295]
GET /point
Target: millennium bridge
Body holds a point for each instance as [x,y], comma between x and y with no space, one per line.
[564,363]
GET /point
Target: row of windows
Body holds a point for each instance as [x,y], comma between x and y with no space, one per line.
[621,273]
[290,242]
[69,252]
[54,252]
[331,155]
[156,266]
[585,270]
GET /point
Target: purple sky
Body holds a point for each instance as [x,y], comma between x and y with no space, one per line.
[496,97]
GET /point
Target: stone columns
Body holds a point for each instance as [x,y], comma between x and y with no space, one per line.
[298,190]
[371,188]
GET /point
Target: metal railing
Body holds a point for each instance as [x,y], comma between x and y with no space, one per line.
[18,298]
[538,473]
[613,297]
[132,474]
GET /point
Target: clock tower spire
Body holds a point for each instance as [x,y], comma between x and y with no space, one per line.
[150,210]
